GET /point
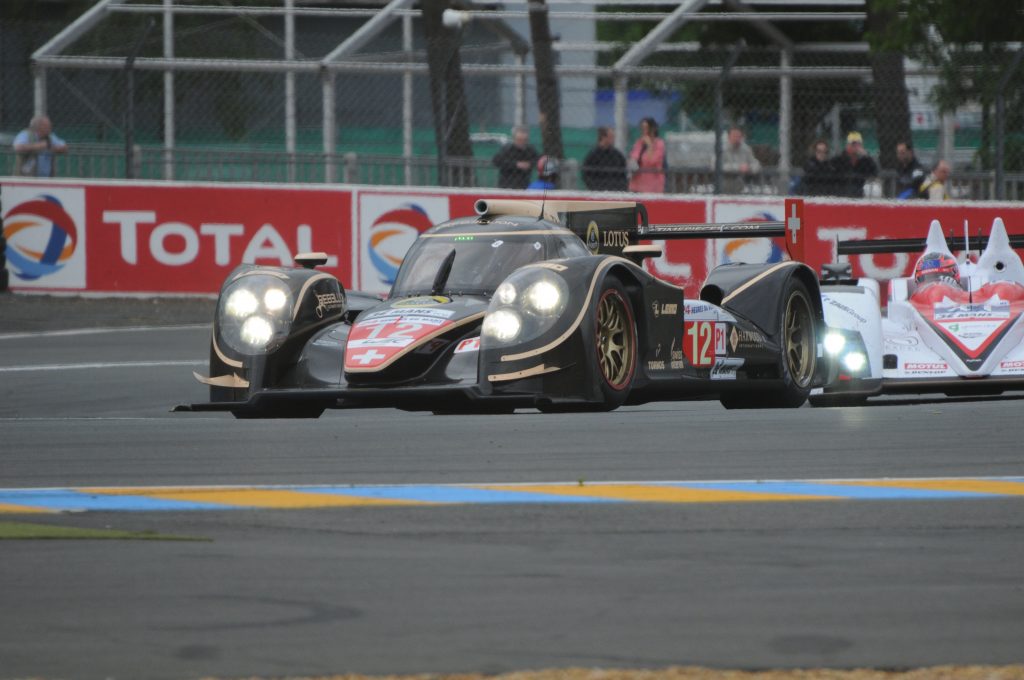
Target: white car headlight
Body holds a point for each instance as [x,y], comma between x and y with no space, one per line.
[834,342]
[543,297]
[506,293]
[855,361]
[275,299]
[241,303]
[257,332]
[503,325]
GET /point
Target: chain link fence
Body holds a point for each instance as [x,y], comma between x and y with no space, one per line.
[233,125]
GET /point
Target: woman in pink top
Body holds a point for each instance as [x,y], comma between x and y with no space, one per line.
[649,156]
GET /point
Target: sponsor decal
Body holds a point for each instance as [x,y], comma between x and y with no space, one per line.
[663,308]
[388,226]
[412,315]
[593,239]
[725,368]
[655,365]
[468,345]
[844,308]
[422,301]
[45,236]
[998,310]
[703,341]
[901,341]
[615,239]
[326,302]
[925,367]
[373,342]
[1017,365]
[747,339]
[690,309]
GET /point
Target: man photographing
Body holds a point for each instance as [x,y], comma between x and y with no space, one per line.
[35,147]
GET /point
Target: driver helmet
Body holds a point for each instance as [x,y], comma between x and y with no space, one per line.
[936,267]
[547,166]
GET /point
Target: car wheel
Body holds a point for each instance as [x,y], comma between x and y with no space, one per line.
[799,340]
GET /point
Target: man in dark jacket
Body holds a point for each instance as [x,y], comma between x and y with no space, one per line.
[604,168]
[853,167]
[515,160]
[819,172]
[909,173]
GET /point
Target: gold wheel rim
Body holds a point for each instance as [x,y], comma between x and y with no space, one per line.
[616,347]
[799,339]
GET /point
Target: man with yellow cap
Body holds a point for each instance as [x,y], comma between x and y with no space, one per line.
[853,167]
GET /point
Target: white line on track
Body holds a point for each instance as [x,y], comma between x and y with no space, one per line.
[100,365]
[96,331]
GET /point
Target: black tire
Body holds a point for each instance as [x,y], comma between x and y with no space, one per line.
[798,338]
[613,358]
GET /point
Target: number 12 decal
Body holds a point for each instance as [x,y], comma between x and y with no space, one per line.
[703,342]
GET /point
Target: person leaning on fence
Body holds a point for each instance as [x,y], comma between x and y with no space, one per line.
[35,148]
[909,172]
[604,168]
[738,162]
[648,160]
[853,167]
[819,172]
[933,188]
[515,160]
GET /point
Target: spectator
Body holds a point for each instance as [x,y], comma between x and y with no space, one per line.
[933,188]
[648,160]
[35,147]
[738,162]
[604,168]
[853,167]
[515,160]
[547,174]
[819,172]
[909,173]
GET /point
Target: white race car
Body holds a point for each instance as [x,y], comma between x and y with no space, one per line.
[955,327]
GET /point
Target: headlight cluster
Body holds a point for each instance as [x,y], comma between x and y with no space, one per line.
[525,305]
[848,349]
[253,313]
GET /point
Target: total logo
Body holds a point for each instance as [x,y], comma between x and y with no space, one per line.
[388,226]
[45,238]
[751,250]
[176,243]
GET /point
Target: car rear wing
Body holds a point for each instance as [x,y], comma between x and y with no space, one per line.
[916,245]
[609,227]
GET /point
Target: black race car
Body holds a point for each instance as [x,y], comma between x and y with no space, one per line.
[527,304]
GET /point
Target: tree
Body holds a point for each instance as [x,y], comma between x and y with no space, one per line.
[548,100]
[969,44]
[447,96]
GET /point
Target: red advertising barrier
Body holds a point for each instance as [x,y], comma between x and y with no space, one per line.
[174,238]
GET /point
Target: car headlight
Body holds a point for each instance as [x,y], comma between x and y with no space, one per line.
[256,331]
[544,297]
[254,313]
[834,342]
[506,293]
[241,303]
[854,361]
[502,325]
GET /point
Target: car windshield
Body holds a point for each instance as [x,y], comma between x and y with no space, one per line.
[481,261]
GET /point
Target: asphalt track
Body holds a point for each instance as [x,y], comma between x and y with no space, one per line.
[378,588]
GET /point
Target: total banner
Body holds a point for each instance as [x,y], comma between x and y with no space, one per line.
[173,238]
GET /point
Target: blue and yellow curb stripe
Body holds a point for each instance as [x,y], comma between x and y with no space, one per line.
[181,498]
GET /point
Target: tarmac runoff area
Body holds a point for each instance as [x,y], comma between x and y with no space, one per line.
[694,673]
